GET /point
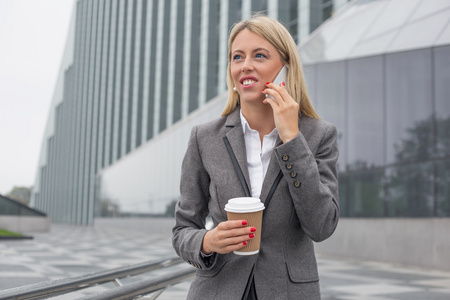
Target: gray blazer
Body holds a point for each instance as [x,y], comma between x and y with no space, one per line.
[304,208]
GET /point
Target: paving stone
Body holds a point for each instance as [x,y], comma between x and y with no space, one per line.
[74,250]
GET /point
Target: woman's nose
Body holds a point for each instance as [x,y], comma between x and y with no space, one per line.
[247,65]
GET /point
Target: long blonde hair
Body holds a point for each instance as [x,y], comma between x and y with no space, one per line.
[276,34]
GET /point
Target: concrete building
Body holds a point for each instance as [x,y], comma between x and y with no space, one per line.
[131,70]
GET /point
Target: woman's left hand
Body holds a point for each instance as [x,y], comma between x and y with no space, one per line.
[285,111]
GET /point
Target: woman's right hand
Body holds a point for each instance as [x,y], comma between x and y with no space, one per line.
[227,236]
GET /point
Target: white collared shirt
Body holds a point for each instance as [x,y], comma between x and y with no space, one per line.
[258,157]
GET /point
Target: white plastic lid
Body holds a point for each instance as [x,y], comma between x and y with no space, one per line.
[244,205]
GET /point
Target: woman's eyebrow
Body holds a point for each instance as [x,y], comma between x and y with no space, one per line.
[254,50]
[259,49]
[237,51]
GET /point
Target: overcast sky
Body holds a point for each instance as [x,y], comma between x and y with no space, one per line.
[32,38]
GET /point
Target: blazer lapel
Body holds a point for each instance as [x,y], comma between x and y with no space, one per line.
[236,138]
[272,174]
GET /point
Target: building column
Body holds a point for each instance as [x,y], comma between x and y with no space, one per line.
[304,8]
[186,59]
[159,49]
[246,9]
[272,9]
[223,46]
[172,57]
[135,87]
[146,94]
[203,68]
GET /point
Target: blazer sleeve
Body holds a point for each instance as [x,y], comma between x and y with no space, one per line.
[312,181]
[192,209]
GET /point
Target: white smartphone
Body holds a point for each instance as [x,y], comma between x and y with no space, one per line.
[281,77]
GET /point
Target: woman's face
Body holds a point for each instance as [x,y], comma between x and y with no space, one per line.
[254,61]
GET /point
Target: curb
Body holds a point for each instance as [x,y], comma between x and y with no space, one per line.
[24,237]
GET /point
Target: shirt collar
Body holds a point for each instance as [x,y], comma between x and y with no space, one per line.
[246,127]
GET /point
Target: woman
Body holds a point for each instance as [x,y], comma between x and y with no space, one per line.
[286,154]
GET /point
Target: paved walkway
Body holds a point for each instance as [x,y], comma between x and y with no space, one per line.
[74,250]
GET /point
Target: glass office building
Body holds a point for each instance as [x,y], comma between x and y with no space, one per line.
[133,72]
[379,71]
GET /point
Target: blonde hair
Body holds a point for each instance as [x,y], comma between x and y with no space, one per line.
[276,34]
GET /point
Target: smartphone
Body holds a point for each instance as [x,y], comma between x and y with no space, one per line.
[281,77]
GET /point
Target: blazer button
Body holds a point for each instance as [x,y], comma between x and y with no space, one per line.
[288,166]
[297,184]
[285,157]
[293,174]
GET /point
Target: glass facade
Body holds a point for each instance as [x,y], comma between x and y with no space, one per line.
[388,95]
[10,207]
[136,72]
[147,180]
[131,70]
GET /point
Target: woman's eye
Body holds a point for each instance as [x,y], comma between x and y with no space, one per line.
[260,55]
[236,57]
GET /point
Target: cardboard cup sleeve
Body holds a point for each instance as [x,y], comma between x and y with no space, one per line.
[251,210]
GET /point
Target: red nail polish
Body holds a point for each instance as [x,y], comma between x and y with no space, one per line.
[253,229]
[251,235]
[283,83]
[267,83]
[263,90]
[244,222]
[245,243]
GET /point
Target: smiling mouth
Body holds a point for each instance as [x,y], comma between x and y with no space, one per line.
[247,82]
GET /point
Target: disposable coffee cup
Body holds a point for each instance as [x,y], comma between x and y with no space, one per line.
[251,210]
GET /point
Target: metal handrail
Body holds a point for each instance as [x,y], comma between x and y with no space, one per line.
[143,287]
[66,285]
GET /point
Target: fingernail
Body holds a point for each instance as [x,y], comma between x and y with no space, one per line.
[253,229]
[267,83]
[263,90]
[245,243]
[244,222]
[283,83]
[251,235]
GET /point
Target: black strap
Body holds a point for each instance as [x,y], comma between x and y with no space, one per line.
[242,178]
[237,167]
[272,189]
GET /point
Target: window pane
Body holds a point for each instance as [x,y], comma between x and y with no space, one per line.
[375,45]
[310,77]
[365,113]
[421,33]
[444,39]
[8,208]
[409,106]
[331,101]
[443,189]
[442,92]
[258,5]
[365,192]
[343,195]
[410,191]
[394,15]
